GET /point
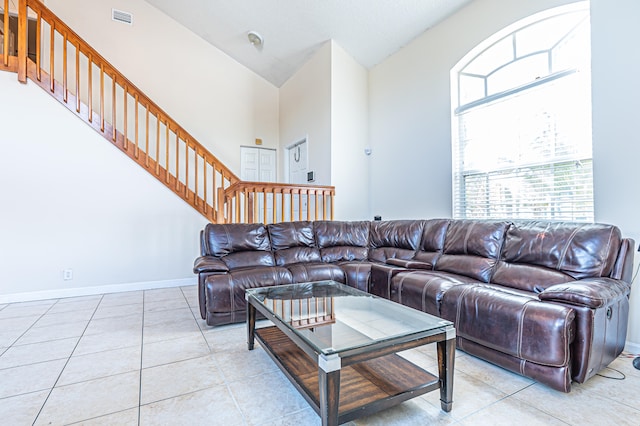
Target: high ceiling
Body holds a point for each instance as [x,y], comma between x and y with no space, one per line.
[293,30]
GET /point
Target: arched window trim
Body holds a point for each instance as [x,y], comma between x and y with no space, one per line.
[511,32]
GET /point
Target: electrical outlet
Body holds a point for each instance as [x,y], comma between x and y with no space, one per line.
[67,274]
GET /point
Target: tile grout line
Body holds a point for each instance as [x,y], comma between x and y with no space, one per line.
[196,320]
[144,294]
[68,358]
[31,326]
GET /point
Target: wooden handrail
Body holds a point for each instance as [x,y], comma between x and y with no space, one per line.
[268,202]
[84,81]
[88,85]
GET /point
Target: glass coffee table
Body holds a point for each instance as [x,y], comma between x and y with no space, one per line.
[338,346]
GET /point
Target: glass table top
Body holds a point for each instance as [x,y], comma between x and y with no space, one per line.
[333,318]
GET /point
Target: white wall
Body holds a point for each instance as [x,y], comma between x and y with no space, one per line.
[305,111]
[410,108]
[350,166]
[616,108]
[72,200]
[218,101]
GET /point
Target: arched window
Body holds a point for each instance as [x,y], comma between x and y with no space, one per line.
[522,121]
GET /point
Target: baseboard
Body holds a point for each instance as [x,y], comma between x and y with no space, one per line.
[633,348]
[89,291]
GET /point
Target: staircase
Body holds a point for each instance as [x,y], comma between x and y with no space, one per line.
[76,75]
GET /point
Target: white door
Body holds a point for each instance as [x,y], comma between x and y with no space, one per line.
[298,162]
[259,165]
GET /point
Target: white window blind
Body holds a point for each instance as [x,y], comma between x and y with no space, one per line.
[524,152]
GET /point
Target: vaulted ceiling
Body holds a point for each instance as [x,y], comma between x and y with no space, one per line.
[293,30]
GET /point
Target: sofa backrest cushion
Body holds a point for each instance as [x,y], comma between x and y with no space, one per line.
[342,241]
[432,241]
[557,252]
[293,242]
[238,245]
[472,248]
[394,239]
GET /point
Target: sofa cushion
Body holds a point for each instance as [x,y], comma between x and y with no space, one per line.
[394,239]
[342,241]
[472,248]
[577,250]
[432,241]
[293,242]
[315,271]
[220,240]
[238,245]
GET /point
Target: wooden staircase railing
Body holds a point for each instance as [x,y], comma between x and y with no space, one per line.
[251,202]
[87,84]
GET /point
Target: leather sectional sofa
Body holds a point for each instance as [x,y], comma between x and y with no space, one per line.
[547,300]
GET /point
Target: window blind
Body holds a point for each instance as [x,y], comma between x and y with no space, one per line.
[527,155]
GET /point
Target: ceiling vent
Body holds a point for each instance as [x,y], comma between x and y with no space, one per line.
[120,16]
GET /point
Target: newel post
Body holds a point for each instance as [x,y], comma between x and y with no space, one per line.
[22,41]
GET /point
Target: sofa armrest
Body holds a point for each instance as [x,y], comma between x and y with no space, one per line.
[209,264]
[409,264]
[590,292]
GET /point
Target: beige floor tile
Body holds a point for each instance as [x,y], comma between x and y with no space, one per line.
[174,330]
[66,305]
[125,298]
[54,332]
[241,365]
[21,324]
[30,378]
[191,294]
[110,311]
[617,390]
[49,319]
[258,392]
[168,351]
[213,406]
[22,410]
[469,395]
[88,400]
[122,418]
[492,375]
[115,324]
[161,318]
[9,337]
[178,378]
[100,364]
[165,305]
[19,310]
[502,414]
[80,299]
[107,341]
[305,417]
[159,294]
[37,352]
[580,406]
[413,412]
[224,339]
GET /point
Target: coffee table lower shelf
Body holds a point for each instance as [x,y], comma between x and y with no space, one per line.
[365,388]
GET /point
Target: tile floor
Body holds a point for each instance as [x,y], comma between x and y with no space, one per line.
[146,358]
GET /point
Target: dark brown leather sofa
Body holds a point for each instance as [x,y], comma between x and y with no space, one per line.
[547,300]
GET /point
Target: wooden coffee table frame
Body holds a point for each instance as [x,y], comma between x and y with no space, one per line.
[373,377]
